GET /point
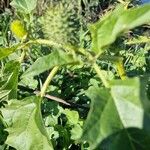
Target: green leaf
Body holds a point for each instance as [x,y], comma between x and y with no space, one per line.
[4,52]
[29,82]
[91,130]
[4,93]
[3,133]
[105,31]
[72,116]
[2,147]
[17,28]
[135,140]
[52,133]
[24,6]
[121,111]
[12,71]
[56,58]
[25,126]
[76,132]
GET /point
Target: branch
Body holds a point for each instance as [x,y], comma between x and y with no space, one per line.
[59,100]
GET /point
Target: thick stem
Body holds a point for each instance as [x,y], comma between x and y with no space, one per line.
[69,48]
[49,43]
[101,76]
[48,80]
[40,41]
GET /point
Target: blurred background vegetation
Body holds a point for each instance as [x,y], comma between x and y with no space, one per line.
[71,83]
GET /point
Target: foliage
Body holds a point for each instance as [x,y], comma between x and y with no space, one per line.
[120,20]
[74,75]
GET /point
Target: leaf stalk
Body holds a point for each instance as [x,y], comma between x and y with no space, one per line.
[48,80]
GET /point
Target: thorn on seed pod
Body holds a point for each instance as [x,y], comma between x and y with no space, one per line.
[61,23]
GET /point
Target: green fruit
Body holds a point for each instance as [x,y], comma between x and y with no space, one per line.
[61,22]
[18,29]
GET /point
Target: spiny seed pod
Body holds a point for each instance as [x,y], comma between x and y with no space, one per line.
[18,29]
[61,23]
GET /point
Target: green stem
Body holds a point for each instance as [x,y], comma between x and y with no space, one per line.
[49,43]
[69,48]
[48,80]
[96,67]
[101,76]
[40,41]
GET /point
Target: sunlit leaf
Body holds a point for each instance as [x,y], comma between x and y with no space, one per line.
[76,132]
[24,6]
[72,116]
[4,93]
[105,31]
[29,82]
[121,111]
[25,126]
[11,71]
[49,61]
[4,52]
